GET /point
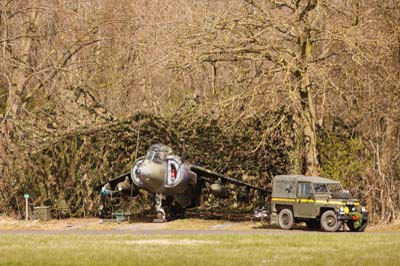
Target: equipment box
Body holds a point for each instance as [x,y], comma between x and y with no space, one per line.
[42,213]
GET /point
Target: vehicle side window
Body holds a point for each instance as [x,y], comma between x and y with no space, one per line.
[304,190]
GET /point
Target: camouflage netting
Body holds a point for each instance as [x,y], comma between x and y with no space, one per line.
[252,148]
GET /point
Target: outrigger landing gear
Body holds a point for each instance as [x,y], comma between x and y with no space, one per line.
[160,213]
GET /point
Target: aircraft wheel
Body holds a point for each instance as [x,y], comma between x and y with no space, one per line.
[285,219]
[329,222]
[160,215]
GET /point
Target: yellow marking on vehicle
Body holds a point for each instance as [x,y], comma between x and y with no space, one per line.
[314,201]
[307,200]
[284,199]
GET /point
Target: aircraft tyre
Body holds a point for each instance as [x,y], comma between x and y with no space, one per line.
[286,219]
[330,222]
[160,217]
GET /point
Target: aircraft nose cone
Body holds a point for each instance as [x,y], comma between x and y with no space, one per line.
[143,172]
[150,176]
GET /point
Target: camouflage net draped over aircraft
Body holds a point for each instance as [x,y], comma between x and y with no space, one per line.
[252,148]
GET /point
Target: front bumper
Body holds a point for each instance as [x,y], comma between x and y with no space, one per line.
[348,217]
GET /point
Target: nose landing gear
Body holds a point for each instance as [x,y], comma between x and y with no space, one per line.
[160,213]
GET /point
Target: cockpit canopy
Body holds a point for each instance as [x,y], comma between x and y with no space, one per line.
[158,153]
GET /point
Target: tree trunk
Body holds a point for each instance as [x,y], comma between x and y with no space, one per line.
[310,138]
[17,85]
[304,158]
[296,155]
[305,115]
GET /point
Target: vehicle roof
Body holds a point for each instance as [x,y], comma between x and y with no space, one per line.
[314,179]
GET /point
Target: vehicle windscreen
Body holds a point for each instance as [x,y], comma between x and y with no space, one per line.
[320,188]
[334,188]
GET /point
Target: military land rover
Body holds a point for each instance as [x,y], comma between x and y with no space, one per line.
[319,202]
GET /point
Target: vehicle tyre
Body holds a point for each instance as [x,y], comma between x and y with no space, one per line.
[286,219]
[350,225]
[313,225]
[329,222]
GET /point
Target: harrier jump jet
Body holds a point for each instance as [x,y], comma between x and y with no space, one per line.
[176,184]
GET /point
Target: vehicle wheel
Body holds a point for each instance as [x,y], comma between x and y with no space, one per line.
[313,225]
[285,219]
[329,222]
[350,225]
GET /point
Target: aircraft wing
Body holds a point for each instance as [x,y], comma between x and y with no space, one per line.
[113,182]
[202,172]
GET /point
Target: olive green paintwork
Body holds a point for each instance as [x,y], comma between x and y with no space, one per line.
[297,193]
[155,179]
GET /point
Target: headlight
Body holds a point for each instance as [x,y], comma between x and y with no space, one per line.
[341,209]
[363,209]
[353,209]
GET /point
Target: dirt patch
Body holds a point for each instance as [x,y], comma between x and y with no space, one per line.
[64,224]
[143,226]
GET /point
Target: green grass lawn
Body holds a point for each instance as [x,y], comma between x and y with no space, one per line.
[276,248]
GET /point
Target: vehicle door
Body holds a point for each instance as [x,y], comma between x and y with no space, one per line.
[305,201]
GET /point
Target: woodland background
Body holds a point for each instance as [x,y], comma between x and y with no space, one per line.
[255,87]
